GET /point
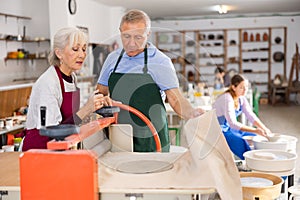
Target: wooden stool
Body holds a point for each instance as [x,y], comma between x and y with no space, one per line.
[278,90]
[294,85]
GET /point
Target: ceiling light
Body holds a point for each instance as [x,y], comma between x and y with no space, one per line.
[222,9]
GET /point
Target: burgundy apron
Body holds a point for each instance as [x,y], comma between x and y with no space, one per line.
[70,105]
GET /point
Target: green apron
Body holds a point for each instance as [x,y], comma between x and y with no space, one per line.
[141,92]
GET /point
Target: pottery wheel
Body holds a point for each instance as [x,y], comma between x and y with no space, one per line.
[255,182]
[144,166]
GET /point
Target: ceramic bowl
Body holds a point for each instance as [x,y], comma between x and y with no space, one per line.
[8,148]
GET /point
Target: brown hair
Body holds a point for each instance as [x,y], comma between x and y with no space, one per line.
[235,81]
[219,70]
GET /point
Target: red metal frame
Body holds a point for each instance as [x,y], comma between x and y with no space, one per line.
[94,126]
[85,131]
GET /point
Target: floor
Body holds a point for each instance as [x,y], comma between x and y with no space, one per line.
[283,119]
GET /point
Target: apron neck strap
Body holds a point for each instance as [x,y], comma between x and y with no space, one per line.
[119,59]
[145,69]
[62,86]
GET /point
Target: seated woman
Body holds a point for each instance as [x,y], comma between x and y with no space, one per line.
[229,106]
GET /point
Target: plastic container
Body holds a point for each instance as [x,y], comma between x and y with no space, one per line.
[270,160]
[191,93]
[17,142]
[8,148]
[262,192]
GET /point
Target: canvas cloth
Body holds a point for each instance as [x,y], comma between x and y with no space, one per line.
[207,163]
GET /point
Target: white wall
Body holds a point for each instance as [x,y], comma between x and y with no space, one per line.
[102,21]
[38,26]
[47,17]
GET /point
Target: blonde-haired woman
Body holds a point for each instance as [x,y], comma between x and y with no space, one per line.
[229,106]
[57,90]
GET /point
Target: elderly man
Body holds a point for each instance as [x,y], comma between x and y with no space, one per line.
[142,76]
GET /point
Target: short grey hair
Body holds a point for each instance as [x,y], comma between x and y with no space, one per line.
[62,38]
[134,15]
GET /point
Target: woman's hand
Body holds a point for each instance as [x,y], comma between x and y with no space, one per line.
[99,100]
[95,102]
[260,131]
[268,132]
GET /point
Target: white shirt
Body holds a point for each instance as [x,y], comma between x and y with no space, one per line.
[224,106]
[46,91]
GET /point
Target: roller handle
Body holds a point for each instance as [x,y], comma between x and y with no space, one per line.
[43,115]
[108,111]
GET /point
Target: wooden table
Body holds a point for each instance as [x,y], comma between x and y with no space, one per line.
[14,130]
[9,171]
[10,185]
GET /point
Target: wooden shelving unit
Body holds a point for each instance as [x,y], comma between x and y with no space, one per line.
[229,49]
[14,38]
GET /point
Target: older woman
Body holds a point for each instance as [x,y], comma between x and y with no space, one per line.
[229,106]
[57,90]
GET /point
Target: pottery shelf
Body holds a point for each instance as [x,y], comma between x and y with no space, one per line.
[23,59]
[231,49]
[22,43]
[39,40]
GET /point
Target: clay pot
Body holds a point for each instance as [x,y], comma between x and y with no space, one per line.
[190,43]
[277,40]
[202,36]
[245,36]
[265,37]
[257,37]
[163,38]
[251,37]
[232,42]
[211,37]
[190,58]
[220,37]
[278,56]
[176,39]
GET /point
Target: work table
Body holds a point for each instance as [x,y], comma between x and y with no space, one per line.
[15,128]
[9,170]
